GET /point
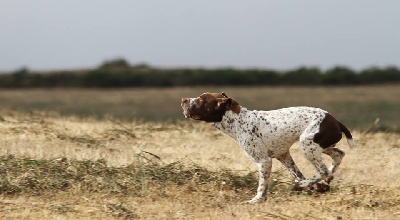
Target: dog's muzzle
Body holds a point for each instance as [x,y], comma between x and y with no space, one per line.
[185,104]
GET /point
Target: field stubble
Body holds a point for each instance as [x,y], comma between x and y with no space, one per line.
[54,166]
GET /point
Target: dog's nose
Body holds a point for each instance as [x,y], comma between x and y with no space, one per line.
[184,100]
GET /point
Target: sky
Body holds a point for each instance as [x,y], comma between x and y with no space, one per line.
[280,34]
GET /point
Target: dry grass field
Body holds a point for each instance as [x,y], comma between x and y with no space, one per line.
[59,160]
[62,167]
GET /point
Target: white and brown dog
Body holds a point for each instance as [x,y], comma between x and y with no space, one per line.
[264,135]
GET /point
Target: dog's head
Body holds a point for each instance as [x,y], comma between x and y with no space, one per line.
[209,107]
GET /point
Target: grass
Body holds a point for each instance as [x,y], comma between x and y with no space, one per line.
[68,167]
[356,107]
[35,177]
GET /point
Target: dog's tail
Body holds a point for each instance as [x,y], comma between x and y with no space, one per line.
[348,135]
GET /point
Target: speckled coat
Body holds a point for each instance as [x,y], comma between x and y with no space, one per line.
[275,131]
[264,135]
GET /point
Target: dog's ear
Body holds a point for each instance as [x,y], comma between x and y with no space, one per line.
[226,104]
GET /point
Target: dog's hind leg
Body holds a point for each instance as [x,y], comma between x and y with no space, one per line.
[291,166]
[312,152]
[337,155]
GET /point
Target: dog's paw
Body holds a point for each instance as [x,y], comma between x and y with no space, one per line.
[254,200]
[297,187]
[322,187]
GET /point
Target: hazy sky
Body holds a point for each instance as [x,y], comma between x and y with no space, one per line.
[51,34]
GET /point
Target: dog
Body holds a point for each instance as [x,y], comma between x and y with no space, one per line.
[264,135]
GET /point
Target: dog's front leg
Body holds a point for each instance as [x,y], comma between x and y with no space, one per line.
[264,170]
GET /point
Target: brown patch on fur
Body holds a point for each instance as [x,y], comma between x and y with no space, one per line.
[211,107]
[330,132]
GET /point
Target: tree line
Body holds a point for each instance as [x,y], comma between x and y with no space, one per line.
[119,74]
